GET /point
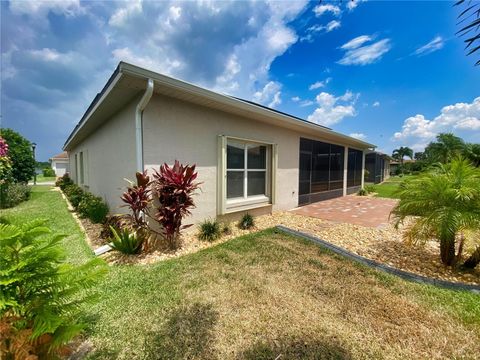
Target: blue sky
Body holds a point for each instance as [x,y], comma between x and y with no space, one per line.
[392,73]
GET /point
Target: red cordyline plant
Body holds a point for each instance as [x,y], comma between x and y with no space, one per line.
[137,199]
[173,188]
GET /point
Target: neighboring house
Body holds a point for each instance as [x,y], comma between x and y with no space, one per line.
[377,166]
[60,164]
[248,157]
[395,165]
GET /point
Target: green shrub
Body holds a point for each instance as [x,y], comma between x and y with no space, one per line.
[93,208]
[41,295]
[362,192]
[246,222]
[48,172]
[209,230]
[12,194]
[64,181]
[226,229]
[74,193]
[126,241]
[370,188]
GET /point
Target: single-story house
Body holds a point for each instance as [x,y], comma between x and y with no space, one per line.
[377,166]
[249,157]
[60,163]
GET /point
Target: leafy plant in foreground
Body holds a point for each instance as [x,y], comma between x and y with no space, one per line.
[246,222]
[40,295]
[173,188]
[443,203]
[209,230]
[126,241]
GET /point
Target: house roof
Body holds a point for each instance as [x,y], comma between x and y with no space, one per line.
[61,156]
[129,82]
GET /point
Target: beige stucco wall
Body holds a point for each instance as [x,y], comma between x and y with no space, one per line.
[175,129]
[110,157]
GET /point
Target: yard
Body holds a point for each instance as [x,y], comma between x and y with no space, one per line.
[388,188]
[260,296]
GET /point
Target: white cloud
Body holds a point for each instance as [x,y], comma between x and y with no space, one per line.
[359,136]
[39,8]
[332,25]
[356,42]
[434,45]
[461,118]
[376,104]
[269,95]
[352,4]
[329,112]
[319,10]
[305,103]
[319,84]
[317,28]
[359,54]
[295,99]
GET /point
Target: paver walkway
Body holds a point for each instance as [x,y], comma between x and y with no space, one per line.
[358,210]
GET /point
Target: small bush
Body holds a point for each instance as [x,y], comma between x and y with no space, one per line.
[64,181]
[209,230]
[93,208]
[74,193]
[126,241]
[246,222]
[226,229]
[13,194]
[370,188]
[48,172]
[362,192]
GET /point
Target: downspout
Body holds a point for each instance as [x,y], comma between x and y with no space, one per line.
[139,124]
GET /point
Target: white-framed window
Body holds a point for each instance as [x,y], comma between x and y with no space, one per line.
[76,168]
[82,169]
[247,170]
[246,174]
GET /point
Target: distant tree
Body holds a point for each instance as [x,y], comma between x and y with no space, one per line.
[469,22]
[445,148]
[442,204]
[400,153]
[420,155]
[21,155]
[472,153]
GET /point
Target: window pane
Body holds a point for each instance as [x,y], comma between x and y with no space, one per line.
[234,184]
[256,183]
[235,155]
[336,164]
[321,165]
[257,157]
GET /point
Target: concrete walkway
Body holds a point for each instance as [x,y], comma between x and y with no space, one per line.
[358,210]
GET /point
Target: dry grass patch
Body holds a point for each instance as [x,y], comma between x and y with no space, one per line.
[270,294]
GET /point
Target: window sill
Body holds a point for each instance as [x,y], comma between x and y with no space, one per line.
[242,204]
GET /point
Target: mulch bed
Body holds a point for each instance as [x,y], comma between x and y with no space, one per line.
[384,245]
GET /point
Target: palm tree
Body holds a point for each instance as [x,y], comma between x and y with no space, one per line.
[472,153]
[469,20]
[445,148]
[444,203]
[401,152]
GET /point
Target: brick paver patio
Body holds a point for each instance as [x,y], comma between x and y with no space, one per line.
[358,210]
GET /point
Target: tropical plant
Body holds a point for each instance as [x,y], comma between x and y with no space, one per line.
[472,153]
[362,192]
[74,193]
[41,297]
[21,156]
[446,147]
[443,203]
[5,163]
[126,241]
[209,230]
[226,229]
[173,188]
[400,153]
[469,19]
[246,222]
[137,199]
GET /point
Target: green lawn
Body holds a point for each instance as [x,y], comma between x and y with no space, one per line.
[388,188]
[41,178]
[260,296]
